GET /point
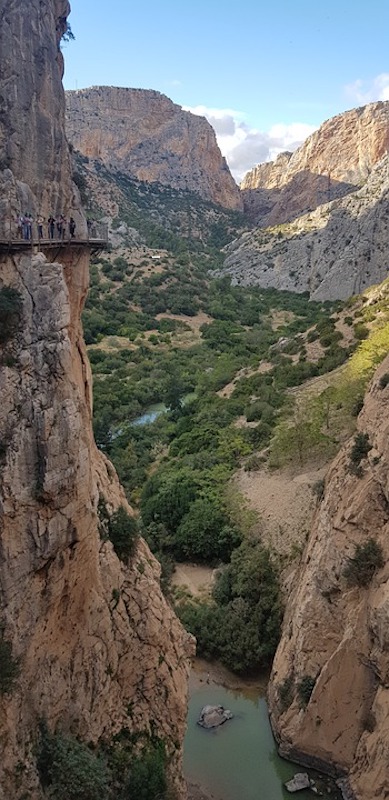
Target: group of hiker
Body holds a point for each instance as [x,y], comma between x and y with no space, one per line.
[57,227]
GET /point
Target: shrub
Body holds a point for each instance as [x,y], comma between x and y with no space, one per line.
[147,775]
[361,567]
[305,688]
[359,451]
[285,693]
[123,533]
[10,313]
[361,331]
[69,770]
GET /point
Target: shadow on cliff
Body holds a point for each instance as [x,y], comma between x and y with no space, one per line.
[304,192]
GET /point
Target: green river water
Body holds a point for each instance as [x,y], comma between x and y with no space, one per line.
[239,760]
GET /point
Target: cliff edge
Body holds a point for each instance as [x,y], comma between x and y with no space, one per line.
[96,645]
[329,691]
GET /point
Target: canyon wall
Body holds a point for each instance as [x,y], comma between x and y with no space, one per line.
[334,160]
[145,135]
[335,635]
[98,646]
[335,251]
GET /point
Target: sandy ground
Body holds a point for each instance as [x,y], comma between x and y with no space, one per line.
[285,503]
[280,318]
[197,579]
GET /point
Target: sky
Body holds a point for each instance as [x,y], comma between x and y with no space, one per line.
[265,73]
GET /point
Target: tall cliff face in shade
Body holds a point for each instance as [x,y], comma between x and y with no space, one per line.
[333,161]
[335,635]
[145,135]
[35,173]
[98,647]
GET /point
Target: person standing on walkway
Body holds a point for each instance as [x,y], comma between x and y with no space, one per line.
[72,227]
[51,226]
[19,224]
[39,222]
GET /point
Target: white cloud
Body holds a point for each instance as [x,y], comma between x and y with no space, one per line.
[364,92]
[244,146]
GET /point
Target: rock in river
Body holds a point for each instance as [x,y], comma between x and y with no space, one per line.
[213,716]
[298,782]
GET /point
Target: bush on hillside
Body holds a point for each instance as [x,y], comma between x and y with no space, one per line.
[361,567]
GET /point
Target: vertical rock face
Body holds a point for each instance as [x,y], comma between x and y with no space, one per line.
[35,174]
[333,161]
[98,646]
[335,636]
[146,135]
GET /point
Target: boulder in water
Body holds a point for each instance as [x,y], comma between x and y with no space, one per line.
[213,716]
[298,782]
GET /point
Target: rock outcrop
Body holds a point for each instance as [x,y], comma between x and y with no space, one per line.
[145,135]
[35,174]
[329,695]
[333,252]
[97,645]
[333,161]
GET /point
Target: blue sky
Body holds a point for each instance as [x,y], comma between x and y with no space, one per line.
[264,73]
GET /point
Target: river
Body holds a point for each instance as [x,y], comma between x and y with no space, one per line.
[239,760]
[155,410]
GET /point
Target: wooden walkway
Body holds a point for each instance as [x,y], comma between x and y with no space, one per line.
[40,245]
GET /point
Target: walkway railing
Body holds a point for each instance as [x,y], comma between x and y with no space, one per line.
[96,236]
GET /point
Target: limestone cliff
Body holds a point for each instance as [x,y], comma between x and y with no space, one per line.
[334,160]
[98,646]
[35,175]
[335,636]
[145,135]
[333,252]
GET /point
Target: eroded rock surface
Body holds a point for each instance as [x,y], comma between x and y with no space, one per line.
[329,695]
[145,135]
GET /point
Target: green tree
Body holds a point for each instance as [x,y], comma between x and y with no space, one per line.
[361,567]
[69,770]
[123,533]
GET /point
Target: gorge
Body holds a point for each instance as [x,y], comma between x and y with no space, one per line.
[257,304]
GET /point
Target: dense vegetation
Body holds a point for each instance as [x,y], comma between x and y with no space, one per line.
[241,626]
[220,361]
[129,767]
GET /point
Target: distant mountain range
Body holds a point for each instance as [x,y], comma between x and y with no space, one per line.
[316,219]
